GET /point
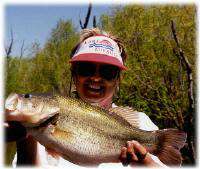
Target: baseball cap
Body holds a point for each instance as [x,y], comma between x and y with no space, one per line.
[100,49]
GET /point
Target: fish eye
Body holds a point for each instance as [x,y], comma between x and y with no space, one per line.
[27,95]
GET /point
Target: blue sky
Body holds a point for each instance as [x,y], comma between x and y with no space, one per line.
[34,23]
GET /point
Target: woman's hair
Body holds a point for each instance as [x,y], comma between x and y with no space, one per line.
[86,33]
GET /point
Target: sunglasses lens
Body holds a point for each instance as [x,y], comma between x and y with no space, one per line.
[109,72]
[85,69]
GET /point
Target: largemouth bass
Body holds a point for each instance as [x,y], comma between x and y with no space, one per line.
[89,135]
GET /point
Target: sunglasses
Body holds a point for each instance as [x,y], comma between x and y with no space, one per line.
[87,69]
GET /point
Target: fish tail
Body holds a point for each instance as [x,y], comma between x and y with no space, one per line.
[169,145]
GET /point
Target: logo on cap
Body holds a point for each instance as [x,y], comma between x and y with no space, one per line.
[102,44]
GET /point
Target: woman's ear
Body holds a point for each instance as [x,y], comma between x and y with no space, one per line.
[121,76]
[73,80]
[117,89]
[73,74]
[118,81]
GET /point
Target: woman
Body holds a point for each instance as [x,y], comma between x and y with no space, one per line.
[96,63]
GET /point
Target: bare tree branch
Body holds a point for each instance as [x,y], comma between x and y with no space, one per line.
[94,22]
[83,26]
[189,117]
[187,65]
[8,49]
[22,50]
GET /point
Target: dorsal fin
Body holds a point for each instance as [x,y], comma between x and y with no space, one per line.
[127,113]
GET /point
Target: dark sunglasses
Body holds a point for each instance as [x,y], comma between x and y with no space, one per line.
[87,69]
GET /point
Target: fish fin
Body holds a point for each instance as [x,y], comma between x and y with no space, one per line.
[127,113]
[52,157]
[52,152]
[168,150]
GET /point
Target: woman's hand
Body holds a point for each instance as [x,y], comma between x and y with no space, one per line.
[14,131]
[136,154]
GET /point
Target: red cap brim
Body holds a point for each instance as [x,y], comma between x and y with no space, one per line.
[98,58]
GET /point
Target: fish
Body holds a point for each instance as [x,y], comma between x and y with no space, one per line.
[89,135]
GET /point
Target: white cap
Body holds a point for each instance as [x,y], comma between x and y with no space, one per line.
[101,49]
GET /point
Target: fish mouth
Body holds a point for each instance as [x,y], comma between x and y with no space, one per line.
[12,102]
[18,108]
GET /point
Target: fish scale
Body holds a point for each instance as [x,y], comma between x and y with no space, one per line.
[95,116]
[90,135]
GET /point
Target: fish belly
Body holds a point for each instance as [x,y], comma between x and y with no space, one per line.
[82,147]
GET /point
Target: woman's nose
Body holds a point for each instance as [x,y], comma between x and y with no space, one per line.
[96,77]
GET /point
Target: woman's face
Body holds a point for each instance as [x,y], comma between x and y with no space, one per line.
[95,82]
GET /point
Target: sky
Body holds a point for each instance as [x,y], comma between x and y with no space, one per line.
[34,23]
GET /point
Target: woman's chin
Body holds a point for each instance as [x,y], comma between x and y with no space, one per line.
[94,94]
[93,98]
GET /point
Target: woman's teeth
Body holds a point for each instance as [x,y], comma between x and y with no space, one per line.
[95,87]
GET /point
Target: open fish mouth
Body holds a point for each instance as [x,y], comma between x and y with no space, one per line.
[12,102]
[16,102]
[24,109]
